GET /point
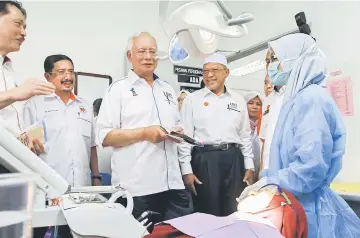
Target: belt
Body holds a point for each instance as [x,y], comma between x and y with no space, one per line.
[215,147]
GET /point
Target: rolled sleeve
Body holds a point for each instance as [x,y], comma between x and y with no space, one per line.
[93,124]
[185,166]
[108,118]
[184,149]
[245,139]
[29,113]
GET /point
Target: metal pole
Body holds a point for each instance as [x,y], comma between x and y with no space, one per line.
[224,9]
[256,48]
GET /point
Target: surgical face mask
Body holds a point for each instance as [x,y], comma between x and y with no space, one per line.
[277,77]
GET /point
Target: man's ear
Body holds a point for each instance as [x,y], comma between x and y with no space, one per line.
[128,54]
[47,76]
[227,71]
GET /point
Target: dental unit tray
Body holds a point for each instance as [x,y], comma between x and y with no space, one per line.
[81,198]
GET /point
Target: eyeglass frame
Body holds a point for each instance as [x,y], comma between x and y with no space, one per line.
[142,54]
[213,71]
[73,73]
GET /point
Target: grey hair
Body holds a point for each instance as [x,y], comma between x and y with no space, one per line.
[134,36]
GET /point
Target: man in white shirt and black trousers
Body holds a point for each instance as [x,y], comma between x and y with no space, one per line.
[145,160]
[216,116]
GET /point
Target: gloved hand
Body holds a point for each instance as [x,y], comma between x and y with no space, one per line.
[255,187]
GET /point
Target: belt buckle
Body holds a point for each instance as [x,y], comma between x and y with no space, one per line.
[227,146]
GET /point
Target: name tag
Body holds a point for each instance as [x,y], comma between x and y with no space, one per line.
[51,110]
[233,106]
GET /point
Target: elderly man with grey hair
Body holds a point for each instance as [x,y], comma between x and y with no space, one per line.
[220,169]
[132,116]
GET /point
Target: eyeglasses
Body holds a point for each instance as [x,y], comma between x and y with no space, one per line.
[142,52]
[273,58]
[62,72]
[213,71]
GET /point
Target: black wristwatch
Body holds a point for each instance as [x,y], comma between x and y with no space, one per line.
[96,177]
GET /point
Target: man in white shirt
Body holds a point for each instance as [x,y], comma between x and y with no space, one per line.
[144,160]
[12,35]
[271,110]
[218,117]
[70,139]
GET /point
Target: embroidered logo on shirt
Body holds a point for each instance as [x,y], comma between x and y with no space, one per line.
[267,110]
[169,97]
[133,92]
[206,104]
[82,109]
[232,106]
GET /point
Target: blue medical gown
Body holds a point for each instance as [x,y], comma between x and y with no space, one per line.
[306,155]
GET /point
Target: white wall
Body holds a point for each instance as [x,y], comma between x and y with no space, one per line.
[94,35]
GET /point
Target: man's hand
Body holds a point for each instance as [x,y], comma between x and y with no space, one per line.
[96,182]
[190,179]
[31,88]
[178,129]
[154,134]
[38,147]
[249,177]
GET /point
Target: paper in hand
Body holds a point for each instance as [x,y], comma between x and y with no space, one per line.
[181,137]
[35,131]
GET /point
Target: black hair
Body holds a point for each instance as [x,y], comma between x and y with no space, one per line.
[51,60]
[5,4]
[97,105]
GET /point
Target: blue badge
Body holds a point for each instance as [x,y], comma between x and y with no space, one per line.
[133,92]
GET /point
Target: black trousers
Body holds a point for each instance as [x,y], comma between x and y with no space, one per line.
[170,204]
[221,173]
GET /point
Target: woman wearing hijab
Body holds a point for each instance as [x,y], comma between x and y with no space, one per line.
[309,140]
[254,104]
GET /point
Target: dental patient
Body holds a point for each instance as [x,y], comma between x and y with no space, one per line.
[274,206]
[267,212]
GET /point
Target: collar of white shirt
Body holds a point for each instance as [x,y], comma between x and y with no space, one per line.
[133,77]
[208,92]
[5,60]
[73,97]
[280,91]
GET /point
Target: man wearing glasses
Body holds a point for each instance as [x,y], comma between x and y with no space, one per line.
[70,140]
[218,171]
[12,95]
[131,117]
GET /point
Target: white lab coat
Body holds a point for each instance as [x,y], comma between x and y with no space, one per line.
[271,110]
[256,149]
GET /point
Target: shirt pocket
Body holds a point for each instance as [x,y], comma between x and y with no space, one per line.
[53,122]
[234,116]
[85,126]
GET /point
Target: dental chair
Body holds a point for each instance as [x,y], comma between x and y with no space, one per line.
[83,209]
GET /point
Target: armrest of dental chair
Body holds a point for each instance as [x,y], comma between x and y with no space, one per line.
[102,219]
